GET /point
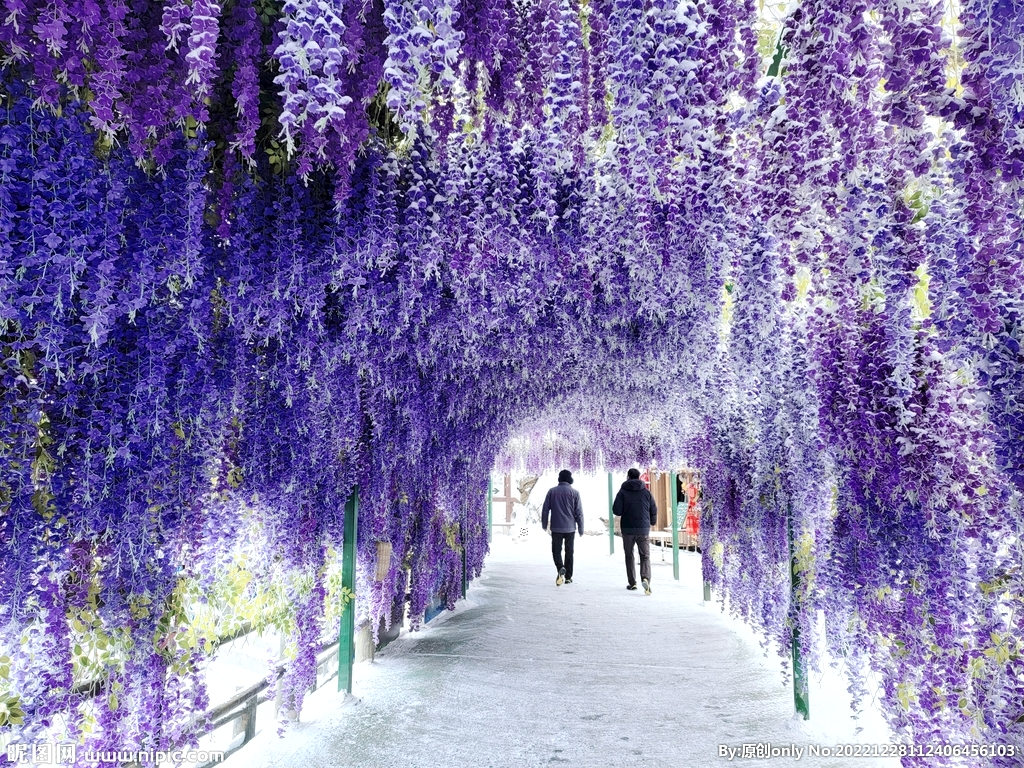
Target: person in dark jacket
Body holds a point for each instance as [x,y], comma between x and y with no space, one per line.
[566,510]
[636,506]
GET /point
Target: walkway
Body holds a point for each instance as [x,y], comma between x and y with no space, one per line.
[583,675]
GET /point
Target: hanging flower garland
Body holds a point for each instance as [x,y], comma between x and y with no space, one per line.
[253,255]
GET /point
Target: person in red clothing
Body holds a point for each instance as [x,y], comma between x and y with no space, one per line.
[692,522]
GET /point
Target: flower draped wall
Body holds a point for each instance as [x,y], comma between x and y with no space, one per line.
[253,254]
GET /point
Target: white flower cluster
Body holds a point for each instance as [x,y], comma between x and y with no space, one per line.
[312,55]
[424,48]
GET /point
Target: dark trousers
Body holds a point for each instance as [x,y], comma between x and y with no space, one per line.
[556,551]
[643,545]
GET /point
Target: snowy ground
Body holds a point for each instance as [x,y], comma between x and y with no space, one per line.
[525,673]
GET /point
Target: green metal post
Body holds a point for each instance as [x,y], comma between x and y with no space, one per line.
[801,696]
[674,495]
[347,633]
[490,507]
[611,518]
[465,576]
[703,554]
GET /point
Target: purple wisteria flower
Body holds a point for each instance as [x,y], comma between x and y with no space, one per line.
[254,256]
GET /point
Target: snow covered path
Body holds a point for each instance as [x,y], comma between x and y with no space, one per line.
[588,674]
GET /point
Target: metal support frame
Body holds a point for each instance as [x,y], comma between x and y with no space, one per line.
[611,518]
[703,554]
[674,495]
[490,507]
[465,575]
[347,633]
[801,695]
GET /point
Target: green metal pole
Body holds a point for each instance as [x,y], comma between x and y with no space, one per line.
[611,518]
[465,576]
[674,495]
[347,633]
[490,507]
[703,554]
[801,696]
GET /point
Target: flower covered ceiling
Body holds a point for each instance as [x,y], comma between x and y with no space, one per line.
[255,253]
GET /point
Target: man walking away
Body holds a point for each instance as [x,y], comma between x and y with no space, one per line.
[566,510]
[635,505]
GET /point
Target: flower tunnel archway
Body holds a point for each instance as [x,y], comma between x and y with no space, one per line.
[254,254]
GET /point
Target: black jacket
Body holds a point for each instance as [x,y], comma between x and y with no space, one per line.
[635,504]
[566,509]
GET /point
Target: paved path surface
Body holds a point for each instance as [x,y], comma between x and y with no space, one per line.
[587,674]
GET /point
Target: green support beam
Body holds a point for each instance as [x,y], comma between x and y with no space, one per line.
[611,517]
[674,495]
[490,507]
[465,576]
[703,554]
[347,633]
[801,695]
